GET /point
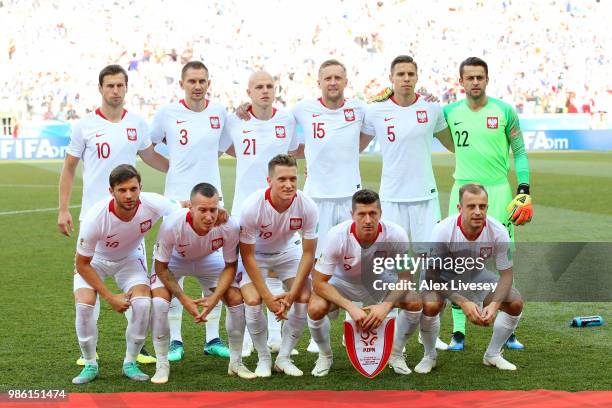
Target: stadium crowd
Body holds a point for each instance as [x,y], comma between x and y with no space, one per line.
[51,49]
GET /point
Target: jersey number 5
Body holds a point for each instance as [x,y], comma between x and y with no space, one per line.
[459,135]
[391,133]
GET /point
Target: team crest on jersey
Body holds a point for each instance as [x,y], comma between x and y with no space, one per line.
[492,122]
[145,226]
[486,252]
[295,224]
[214,122]
[217,243]
[421,116]
[280,132]
[131,134]
[349,115]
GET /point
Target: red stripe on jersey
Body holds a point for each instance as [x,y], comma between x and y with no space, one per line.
[269,199]
[465,233]
[182,102]
[354,232]
[99,113]
[323,103]
[250,110]
[395,102]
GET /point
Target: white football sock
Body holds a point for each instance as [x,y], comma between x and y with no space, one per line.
[274,327]
[293,328]
[97,308]
[405,324]
[319,331]
[235,323]
[258,329]
[503,327]
[137,327]
[160,329]
[430,329]
[175,315]
[87,331]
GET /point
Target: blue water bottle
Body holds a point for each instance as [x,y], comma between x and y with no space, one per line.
[586,321]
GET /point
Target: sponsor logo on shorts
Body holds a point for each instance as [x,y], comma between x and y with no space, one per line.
[145,226]
[492,122]
[131,134]
[349,115]
[295,224]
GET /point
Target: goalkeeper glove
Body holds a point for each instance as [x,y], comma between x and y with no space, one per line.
[520,208]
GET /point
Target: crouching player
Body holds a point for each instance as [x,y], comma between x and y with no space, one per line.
[188,244]
[475,237]
[342,275]
[108,245]
[269,240]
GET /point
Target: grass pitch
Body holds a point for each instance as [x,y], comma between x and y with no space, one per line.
[572,194]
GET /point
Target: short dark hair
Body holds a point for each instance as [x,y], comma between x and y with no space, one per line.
[112,70]
[204,189]
[403,59]
[473,61]
[331,62]
[281,160]
[121,173]
[472,188]
[365,196]
[193,65]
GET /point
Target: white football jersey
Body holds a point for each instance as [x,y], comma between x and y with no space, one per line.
[193,140]
[110,238]
[405,135]
[274,232]
[256,142]
[103,145]
[331,146]
[448,237]
[177,238]
[343,255]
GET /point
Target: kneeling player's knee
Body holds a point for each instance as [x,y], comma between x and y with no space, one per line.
[252,300]
[233,297]
[515,307]
[317,310]
[412,306]
[432,308]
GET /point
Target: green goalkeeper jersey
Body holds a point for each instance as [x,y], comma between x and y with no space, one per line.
[482,142]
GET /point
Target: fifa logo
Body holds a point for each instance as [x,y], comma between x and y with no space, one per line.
[349,115]
[492,122]
[214,122]
[131,134]
[280,132]
[421,116]
[368,339]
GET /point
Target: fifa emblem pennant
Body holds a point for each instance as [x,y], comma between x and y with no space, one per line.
[369,351]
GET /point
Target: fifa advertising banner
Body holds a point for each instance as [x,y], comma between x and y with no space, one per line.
[33,148]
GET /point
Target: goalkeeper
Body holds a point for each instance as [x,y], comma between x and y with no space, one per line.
[484,129]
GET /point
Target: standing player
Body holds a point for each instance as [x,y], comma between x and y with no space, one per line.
[104,139]
[484,129]
[188,244]
[109,245]
[341,277]
[192,128]
[474,236]
[254,143]
[269,239]
[405,125]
